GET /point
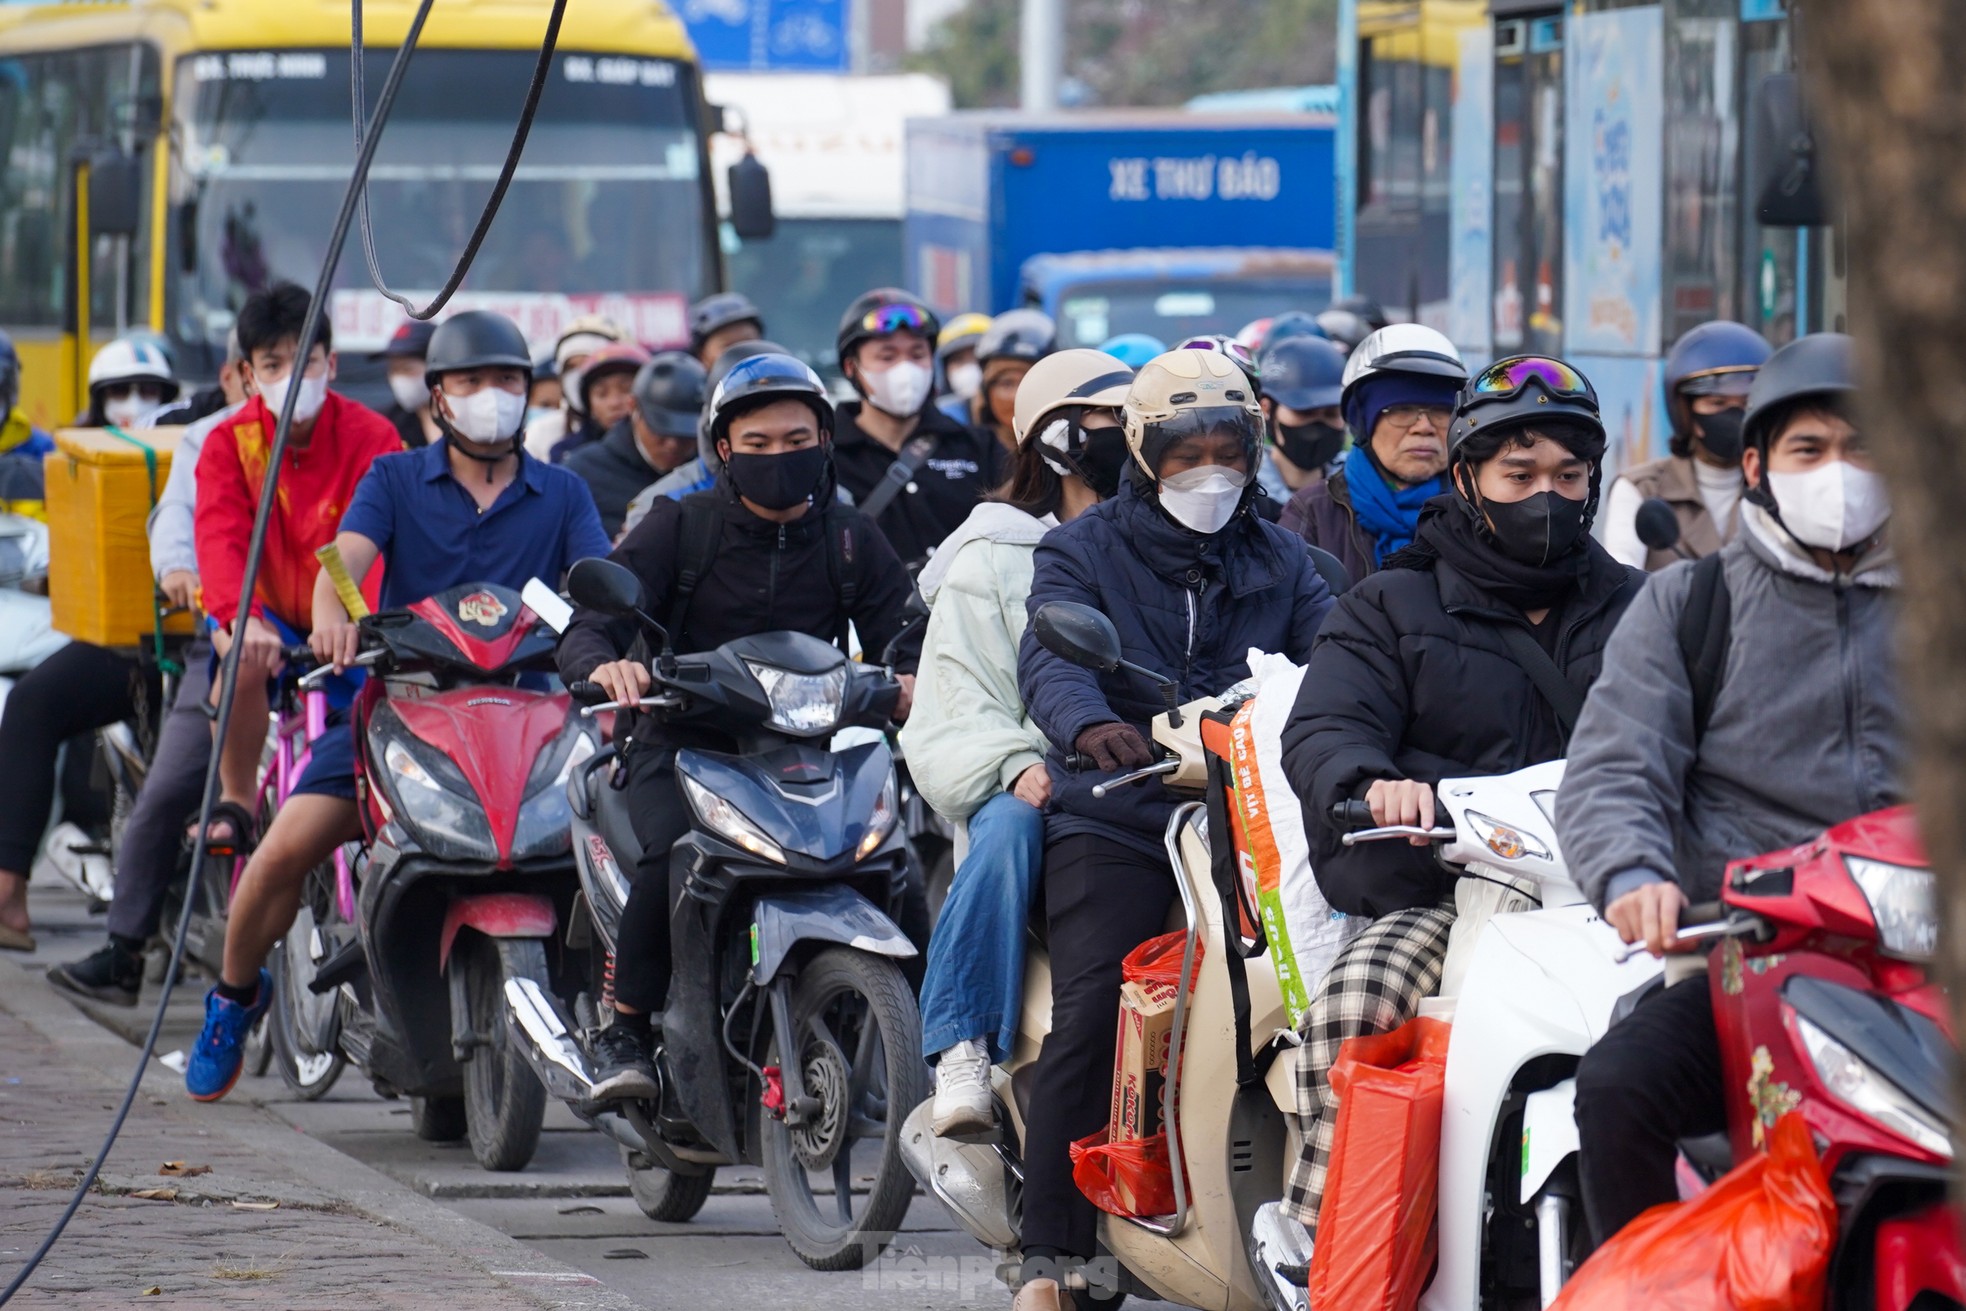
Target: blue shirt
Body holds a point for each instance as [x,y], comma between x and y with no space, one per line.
[433,536]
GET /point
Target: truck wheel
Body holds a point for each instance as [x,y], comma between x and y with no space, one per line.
[505,1103]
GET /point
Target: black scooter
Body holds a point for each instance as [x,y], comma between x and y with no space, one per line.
[791,1038]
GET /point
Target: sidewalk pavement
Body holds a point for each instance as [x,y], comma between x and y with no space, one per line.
[281,1220]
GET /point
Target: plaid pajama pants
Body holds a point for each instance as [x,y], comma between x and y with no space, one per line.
[1374,986]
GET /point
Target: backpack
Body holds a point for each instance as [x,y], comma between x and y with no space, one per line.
[702,533]
[1705,629]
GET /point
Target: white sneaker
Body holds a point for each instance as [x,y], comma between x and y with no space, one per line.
[962,1091]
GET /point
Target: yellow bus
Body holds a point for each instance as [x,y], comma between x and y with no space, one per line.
[198,149]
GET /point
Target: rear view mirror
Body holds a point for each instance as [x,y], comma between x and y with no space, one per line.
[1787,175]
[544,602]
[1078,633]
[1656,524]
[603,585]
[751,215]
[115,202]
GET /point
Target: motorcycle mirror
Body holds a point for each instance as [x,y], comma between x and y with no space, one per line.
[597,584]
[544,602]
[1657,525]
[1078,633]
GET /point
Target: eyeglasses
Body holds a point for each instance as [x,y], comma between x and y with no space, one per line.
[1403,417]
[885,319]
[1507,377]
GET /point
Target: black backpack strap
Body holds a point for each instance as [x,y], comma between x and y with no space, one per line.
[1705,629]
[702,529]
[899,474]
[843,566]
[1564,696]
[1251,1067]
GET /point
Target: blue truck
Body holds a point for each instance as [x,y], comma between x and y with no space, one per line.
[1163,222]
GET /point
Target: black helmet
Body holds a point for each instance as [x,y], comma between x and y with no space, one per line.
[1302,372]
[669,393]
[752,382]
[1018,335]
[1716,358]
[1366,308]
[476,339]
[881,313]
[1522,390]
[1821,364]
[714,313]
[733,355]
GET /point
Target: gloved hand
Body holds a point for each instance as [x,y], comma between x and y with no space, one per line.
[1114,746]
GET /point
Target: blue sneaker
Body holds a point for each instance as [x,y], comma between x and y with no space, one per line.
[220,1052]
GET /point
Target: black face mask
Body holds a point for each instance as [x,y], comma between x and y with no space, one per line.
[777,482]
[1102,459]
[1310,446]
[1721,434]
[1537,529]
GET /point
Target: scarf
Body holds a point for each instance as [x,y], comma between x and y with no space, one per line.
[1448,532]
[1388,515]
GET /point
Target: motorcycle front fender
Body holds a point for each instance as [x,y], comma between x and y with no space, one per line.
[828,913]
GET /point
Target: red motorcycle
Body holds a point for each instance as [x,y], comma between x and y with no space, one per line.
[466,875]
[1824,1003]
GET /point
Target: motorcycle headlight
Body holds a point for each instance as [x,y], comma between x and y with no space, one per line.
[1859,1084]
[431,794]
[545,826]
[1505,841]
[881,823]
[728,822]
[1904,902]
[802,703]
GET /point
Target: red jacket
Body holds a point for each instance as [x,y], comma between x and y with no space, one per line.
[315,486]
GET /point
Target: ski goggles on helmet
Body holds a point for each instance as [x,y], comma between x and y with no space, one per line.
[1506,379]
[885,319]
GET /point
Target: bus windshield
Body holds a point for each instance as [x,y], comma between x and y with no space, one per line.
[607,212]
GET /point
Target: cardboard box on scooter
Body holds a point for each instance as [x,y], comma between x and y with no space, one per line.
[1140,1059]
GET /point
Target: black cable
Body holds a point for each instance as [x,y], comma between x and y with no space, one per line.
[229,668]
[358,93]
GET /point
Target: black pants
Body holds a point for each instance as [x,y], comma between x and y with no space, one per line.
[1649,1082]
[1102,899]
[660,816]
[76,690]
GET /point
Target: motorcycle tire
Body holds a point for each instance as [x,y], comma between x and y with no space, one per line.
[437,1119]
[504,1101]
[665,1195]
[860,1056]
[304,1026]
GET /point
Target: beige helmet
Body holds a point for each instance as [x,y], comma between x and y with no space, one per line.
[1083,378]
[1185,393]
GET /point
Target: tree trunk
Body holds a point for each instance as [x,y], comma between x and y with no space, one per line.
[1885,79]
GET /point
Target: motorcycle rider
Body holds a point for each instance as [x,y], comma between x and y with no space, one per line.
[1708,373]
[1017,339]
[700,473]
[1301,380]
[607,395]
[409,407]
[719,321]
[1192,579]
[915,471]
[470,508]
[658,435]
[1680,765]
[569,424]
[1400,388]
[785,555]
[958,375]
[1466,654]
[22,445]
[130,383]
[974,753]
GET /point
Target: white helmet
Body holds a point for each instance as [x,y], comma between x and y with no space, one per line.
[1403,348]
[124,360]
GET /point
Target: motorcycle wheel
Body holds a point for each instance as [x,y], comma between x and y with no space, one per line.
[859,1044]
[437,1119]
[259,1048]
[504,1101]
[665,1195]
[305,1026]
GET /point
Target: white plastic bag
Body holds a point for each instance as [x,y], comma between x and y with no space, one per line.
[1305,934]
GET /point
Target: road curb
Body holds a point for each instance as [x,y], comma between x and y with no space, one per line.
[94,1050]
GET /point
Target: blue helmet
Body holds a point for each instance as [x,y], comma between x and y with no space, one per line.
[1133,349]
[1302,372]
[1289,324]
[1719,358]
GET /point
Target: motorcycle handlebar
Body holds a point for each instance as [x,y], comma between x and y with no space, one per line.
[1703,912]
[1349,815]
[586,693]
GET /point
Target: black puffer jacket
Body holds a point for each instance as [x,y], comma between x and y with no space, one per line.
[1410,679]
[616,471]
[964,466]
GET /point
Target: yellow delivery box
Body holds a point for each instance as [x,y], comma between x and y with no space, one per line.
[101,487]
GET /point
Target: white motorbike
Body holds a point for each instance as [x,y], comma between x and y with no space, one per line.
[1533,978]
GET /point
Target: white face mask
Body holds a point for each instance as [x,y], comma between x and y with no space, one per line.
[1833,507]
[313,395]
[900,390]
[132,411]
[410,391]
[487,416]
[965,380]
[1204,499]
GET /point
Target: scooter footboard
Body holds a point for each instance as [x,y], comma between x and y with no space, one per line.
[828,913]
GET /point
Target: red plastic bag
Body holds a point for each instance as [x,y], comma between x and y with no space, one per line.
[1158,960]
[1375,1233]
[1130,1179]
[1758,1240]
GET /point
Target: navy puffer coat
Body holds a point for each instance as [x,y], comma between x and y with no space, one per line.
[1185,605]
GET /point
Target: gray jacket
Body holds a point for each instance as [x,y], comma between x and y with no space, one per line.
[1805,729]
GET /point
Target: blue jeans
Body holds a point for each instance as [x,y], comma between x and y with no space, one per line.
[975,983]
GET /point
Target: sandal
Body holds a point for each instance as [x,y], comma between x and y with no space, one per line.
[236,845]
